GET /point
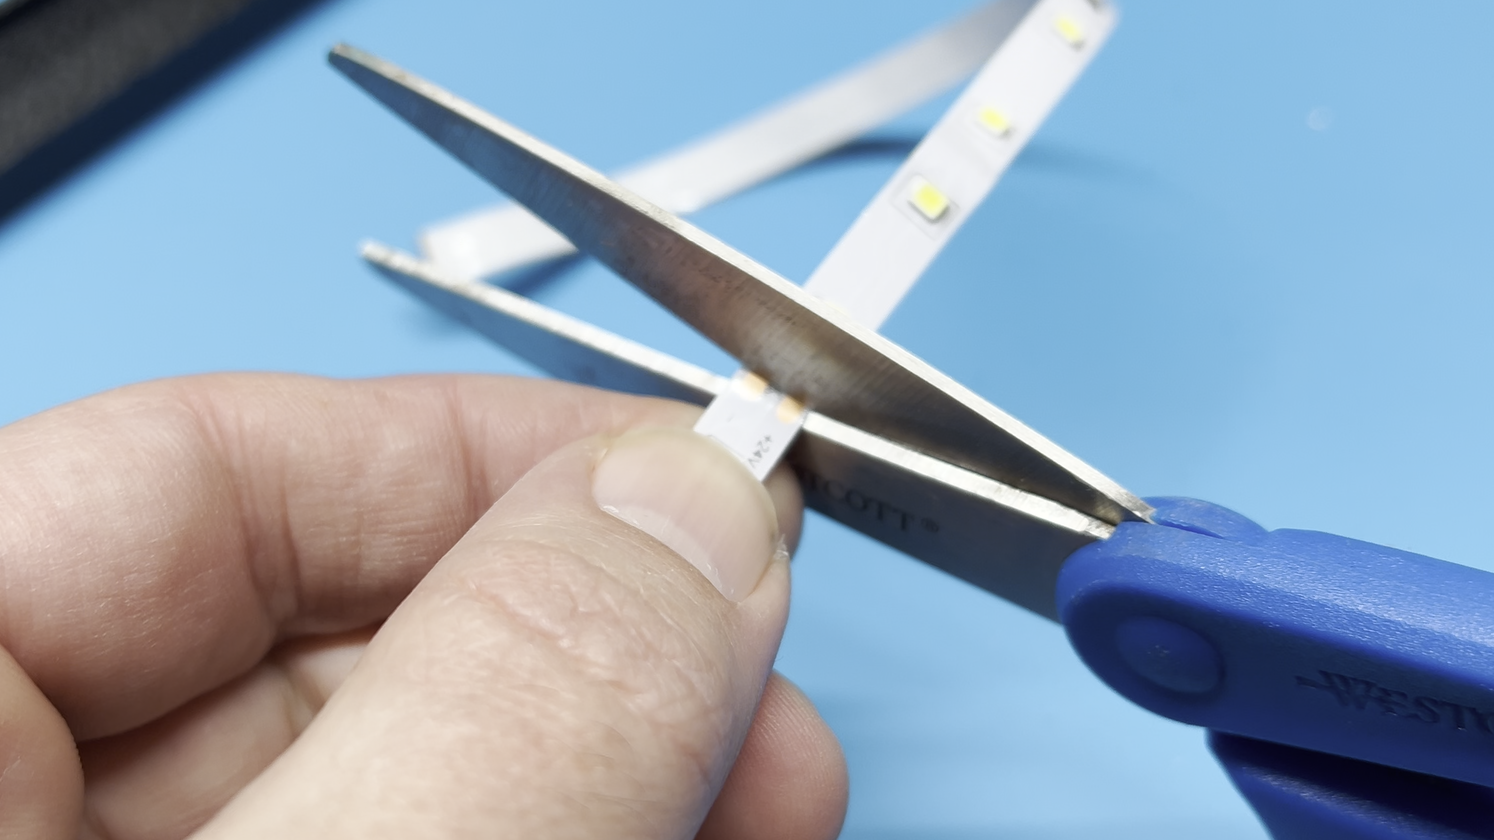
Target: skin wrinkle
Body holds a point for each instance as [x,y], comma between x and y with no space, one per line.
[637,539]
[681,580]
[704,766]
[657,703]
[365,550]
[586,797]
[292,562]
[461,726]
[393,539]
[210,428]
[479,490]
[298,535]
[477,453]
[352,534]
[674,576]
[211,447]
[560,627]
[678,580]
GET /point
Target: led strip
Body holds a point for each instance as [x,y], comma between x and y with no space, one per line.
[930,196]
[816,121]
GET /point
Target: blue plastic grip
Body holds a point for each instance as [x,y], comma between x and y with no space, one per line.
[1295,637]
[1302,795]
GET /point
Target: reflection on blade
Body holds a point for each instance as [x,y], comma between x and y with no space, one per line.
[563,346]
[997,537]
[764,145]
[797,342]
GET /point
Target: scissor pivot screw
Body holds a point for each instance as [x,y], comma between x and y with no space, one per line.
[1169,655]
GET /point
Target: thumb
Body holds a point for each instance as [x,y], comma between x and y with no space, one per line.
[585,662]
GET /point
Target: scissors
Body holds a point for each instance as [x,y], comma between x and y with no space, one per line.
[1348,687]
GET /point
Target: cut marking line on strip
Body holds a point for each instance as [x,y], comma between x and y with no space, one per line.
[754,421]
[918,210]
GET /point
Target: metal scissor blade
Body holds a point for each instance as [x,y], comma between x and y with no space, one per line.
[802,345]
[562,346]
[997,537]
[760,146]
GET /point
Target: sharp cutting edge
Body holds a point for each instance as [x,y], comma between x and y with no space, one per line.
[803,345]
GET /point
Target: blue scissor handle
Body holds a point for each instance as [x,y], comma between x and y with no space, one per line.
[1302,795]
[1293,637]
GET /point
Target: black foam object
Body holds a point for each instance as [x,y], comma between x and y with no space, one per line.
[77,75]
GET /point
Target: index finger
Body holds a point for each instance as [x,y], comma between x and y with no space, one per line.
[157,540]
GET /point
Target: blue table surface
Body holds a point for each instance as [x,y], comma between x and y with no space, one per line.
[1186,280]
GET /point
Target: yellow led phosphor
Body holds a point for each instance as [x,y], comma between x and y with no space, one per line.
[927,199]
[1069,30]
[995,121]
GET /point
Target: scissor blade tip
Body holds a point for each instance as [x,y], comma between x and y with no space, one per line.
[373,248]
[387,258]
[351,61]
[347,52]
[343,54]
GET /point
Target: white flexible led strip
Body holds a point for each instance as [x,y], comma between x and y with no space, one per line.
[930,196]
[816,121]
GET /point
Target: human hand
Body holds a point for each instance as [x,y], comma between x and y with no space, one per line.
[195,577]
